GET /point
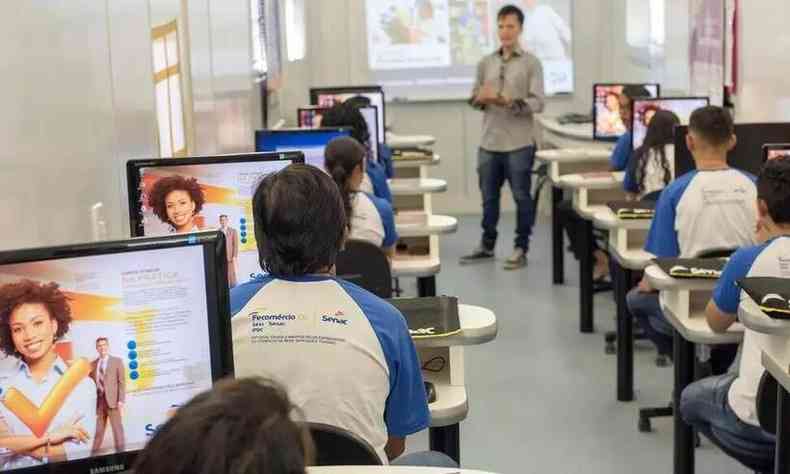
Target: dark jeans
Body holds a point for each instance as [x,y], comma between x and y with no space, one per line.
[704,406]
[493,169]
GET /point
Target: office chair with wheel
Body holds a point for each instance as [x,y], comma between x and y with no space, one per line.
[365,265]
[339,447]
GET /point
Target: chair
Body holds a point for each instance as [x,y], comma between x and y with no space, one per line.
[646,414]
[366,265]
[338,447]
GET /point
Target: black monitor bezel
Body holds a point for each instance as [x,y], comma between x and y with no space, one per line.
[595,109]
[133,175]
[217,300]
[316,91]
[659,99]
[768,147]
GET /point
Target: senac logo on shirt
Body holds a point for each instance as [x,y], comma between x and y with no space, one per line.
[336,319]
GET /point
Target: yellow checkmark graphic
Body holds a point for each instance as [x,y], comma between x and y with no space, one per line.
[39,418]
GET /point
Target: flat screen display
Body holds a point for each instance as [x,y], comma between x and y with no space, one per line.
[329,96]
[310,142]
[607,124]
[310,117]
[776,150]
[644,109]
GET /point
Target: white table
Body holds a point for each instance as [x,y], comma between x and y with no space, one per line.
[478,326]
[398,163]
[434,225]
[567,135]
[409,141]
[412,186]
[388,470]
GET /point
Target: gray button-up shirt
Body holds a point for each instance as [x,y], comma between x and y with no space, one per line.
[520,78]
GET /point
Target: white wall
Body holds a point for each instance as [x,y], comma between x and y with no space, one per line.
[78,101]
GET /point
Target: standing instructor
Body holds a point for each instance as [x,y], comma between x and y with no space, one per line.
[509,91]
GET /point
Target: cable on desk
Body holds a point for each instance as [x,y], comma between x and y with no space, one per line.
[438,359]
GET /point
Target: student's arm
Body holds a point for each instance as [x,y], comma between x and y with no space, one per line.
[621,153]
[388,221]
[662,240]
[722,309]
[536,98]
[396,445]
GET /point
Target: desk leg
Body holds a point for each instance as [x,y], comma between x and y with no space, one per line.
[586,279]
[625,337]
[684,435]
[447,440]
[557,237]
[782,458]
[426,286]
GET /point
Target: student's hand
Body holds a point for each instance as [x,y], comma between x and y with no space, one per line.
[644,286]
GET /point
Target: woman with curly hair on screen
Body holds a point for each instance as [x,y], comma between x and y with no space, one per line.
[176,201]
[33,318]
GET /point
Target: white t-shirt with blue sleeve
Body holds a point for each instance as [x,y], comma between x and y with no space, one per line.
[767,260]
[372,220]
[344,355]
[704,210]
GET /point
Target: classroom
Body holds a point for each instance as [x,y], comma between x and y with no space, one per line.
[395,237]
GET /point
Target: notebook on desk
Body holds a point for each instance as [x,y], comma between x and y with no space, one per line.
[772,295]
[633,209]
[431,317]
[692,268]
[411,153]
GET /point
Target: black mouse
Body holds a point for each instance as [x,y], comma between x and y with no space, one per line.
[430,392]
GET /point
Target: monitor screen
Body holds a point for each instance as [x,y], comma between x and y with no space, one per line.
[311,116]
[773,151]
[189,194]
[644,109]
[608,125]
[329,96]
[311,142]
[141,322]
[747,154]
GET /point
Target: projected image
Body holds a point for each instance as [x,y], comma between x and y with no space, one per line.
[608,122]
[644,110]
[98,351]
[223,201]
[471,32]
[408,33]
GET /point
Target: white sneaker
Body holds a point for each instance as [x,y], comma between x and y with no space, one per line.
[517,260]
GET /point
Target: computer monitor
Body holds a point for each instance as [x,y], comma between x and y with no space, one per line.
[311,142]
[329,96]
[157,307]
[311,117]
[219,187]
[776,150]
[644,109]
[607,124]
[747,155]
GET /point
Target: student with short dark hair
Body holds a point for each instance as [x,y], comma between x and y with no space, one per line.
[652,166]
[241,426]
[345,355]
[724,407]
[348,115]
[369,218]
[709,208]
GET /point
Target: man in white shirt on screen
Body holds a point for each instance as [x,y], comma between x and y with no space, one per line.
[546,33]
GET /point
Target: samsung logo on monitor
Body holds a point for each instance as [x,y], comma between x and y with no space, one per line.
[107,469]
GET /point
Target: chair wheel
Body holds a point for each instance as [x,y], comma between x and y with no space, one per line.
[662,361]
[610,348]
[644,425]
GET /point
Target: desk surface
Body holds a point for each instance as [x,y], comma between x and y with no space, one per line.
[777,369]
[661,281]
[755,319]
[451,405]
[573,155]
[608,220]
[436,225]
[633,259]
[478,326]
[695,329]
[579,181]
[421,266]
[415,162]
[388,470]
[412,186]
[406,141]
[577,131]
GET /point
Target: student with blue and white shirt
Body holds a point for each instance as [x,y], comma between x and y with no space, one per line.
[369,218]
[345,356]
[724,407]
[711,208]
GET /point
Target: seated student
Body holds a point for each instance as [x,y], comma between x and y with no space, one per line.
[706,209]
[619,159]
[241,426]
[724,407]
[385,152]
[369,218]
[652,166]
[347,115]
[345,355]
